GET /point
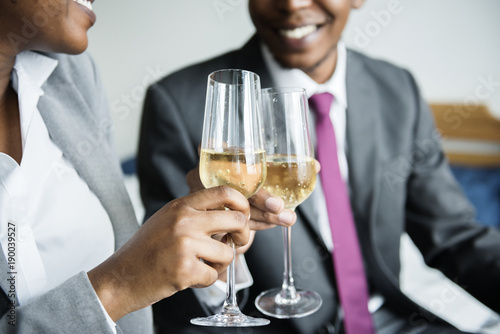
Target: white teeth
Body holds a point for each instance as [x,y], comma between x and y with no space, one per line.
[300,32]
[85,3]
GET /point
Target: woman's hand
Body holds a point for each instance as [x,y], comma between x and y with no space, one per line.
[164,255]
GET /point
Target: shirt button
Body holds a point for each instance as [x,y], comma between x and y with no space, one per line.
[24,234]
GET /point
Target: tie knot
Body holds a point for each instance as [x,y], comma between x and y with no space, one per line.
[321,103]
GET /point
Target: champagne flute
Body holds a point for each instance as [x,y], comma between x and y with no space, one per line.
[291,175]
[233,154]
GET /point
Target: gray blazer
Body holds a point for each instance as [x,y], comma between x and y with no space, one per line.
[76,113]
[398,177]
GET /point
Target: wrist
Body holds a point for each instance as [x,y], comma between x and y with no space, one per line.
[109,290]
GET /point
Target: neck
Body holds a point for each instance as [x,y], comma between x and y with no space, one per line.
[323,70]
[6,66]
[10,127]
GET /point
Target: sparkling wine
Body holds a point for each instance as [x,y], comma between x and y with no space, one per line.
[290,178]
[233,167]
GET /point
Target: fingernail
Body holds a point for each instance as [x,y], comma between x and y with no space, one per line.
[287,217]
[274,204]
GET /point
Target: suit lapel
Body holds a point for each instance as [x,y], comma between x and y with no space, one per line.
[362,153]
[84,143]
[250,58]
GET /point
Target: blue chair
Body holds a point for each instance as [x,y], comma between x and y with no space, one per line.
[471,141]
[482,188]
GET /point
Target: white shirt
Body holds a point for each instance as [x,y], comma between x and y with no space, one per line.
[336,85]
[61,227]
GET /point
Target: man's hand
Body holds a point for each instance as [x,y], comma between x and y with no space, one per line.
[164,255]
[267,211]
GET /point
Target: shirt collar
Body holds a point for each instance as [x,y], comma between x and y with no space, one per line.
[285,77]
[34,67]
[31,71]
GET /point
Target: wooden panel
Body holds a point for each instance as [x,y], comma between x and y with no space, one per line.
[468,122]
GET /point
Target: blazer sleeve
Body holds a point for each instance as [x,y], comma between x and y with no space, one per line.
[72,307]
[440,219]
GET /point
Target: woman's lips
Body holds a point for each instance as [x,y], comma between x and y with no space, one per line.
[85,3]
[86,6]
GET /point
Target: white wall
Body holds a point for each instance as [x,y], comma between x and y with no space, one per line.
[136,42]
[451,46]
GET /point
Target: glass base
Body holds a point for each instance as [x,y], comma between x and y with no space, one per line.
[306,303]
[230,320]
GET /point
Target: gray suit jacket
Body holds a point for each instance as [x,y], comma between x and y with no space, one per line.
[76,113]
[398,177]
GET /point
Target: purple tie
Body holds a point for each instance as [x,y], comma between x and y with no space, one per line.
[348,263]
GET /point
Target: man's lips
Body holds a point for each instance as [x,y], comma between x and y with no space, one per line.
[296,37]
[298,32]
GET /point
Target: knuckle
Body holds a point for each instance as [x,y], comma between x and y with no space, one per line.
[225,192]
[183,274]
[184,244]
[211,276]
[241,219]
[270,218]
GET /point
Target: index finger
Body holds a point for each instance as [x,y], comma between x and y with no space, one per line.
[218,197]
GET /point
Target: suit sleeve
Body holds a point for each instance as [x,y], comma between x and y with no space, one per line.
[72,307]
[440,219]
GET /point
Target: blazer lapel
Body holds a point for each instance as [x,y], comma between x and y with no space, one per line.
[250,58]
[362,108]
[5,285]
[83,142]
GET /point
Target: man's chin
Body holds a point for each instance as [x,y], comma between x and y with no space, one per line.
[299,61]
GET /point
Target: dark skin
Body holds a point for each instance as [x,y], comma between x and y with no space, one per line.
[163,257]
[10,127]
[63,16]
[314,53]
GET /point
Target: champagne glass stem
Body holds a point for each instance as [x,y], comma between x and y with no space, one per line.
[291,174]
[230,304]
[288,293]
